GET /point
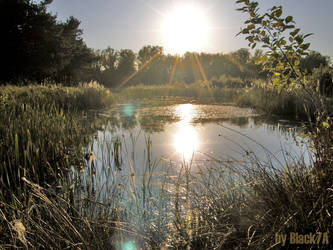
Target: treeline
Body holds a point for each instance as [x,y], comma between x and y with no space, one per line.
[37,48]
[150,66]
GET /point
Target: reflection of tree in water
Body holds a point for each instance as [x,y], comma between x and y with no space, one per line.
[128,122]
[128,116]
[240,121]
[275,124]
[114,120]
[155,124]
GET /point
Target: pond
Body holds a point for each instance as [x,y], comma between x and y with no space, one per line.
[194,134]
[133,160]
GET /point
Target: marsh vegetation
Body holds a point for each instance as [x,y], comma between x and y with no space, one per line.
[199,151]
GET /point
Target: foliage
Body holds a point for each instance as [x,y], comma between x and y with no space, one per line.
[225,81]
[282,59]
[36,47]
[313,61]
[267,101]
[151,67]
[195,92]
[283,55]
[244,204]
[55,96]
[43,133]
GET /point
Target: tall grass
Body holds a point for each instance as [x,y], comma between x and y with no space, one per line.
[197,92]
[244,204]
[55,193]
[66,98]
[228,90]
[43,132]
[220,204]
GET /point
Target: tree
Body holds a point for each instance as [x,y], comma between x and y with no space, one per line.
[36,47]
[126,65]
[242,55]
[146,53]
[286,47]
[108,59]
[151,65]
[283,55]
[312,61]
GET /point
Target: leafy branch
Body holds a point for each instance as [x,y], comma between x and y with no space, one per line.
[284,43]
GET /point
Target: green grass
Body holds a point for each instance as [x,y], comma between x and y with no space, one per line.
[272,103]
[231,204]
[51,196]
[243,206]
[43,133]
[66,98]
[196,92]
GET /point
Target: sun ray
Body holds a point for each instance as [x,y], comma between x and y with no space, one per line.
[206,83]
[138,71]
[174,67]
[152,8]
[203,75]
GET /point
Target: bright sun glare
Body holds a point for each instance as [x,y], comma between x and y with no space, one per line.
[185,28]
[186,140]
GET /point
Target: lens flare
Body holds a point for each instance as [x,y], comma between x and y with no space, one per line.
[128,110]
[128,246]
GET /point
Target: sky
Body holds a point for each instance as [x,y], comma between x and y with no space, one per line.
[131,24]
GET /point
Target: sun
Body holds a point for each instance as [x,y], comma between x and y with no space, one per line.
[185,28]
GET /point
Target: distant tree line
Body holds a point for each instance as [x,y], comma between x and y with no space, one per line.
[37,48]
[150,66]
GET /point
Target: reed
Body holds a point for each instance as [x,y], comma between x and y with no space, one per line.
[43,132]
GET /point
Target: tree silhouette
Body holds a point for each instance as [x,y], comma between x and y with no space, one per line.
[36,47]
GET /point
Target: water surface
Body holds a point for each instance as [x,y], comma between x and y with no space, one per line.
[196,134]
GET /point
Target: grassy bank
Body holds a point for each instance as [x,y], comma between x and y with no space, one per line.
[66,98]
[244,206]
[263,100]
[51,194]
[43,132]
[196,92]
[272,103]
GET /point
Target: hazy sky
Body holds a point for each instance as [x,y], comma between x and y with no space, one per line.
[134,23]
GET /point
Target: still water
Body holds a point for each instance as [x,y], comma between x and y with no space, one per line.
[196,134]
[139,152]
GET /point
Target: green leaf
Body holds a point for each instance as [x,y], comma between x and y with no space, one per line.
[295,32]
[251,26]
[289,19]
[326,125]
[307,35]
[245,31]
[297,62]
[276,81]
[278,13]
[305,46]
[280,87]
[299,39]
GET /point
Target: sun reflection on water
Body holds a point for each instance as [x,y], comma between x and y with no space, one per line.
[186,140]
